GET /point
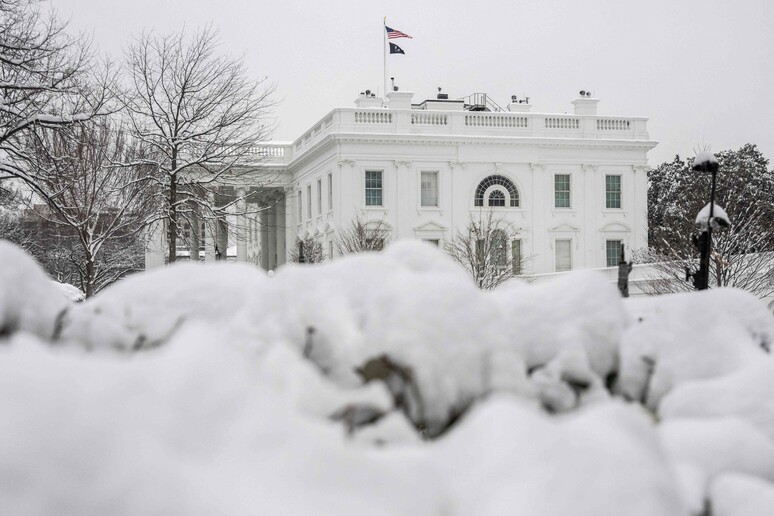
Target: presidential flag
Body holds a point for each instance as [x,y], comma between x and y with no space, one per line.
[392,34]
[395,49]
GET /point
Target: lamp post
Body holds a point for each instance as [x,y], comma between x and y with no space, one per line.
[705,162]
[301,257]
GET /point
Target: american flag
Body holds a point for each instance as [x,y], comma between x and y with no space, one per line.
[392,33]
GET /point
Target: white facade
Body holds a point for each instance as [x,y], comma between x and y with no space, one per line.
[567,184]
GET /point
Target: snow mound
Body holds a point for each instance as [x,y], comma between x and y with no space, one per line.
[71,292]
[742,495]
[145,310]
[510,459]
[680,337]
[579,309]
[443,335]
[707,448]
[745,394]
[29,301]
[192,428]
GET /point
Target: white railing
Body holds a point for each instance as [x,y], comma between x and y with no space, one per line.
[562,123]
[613,124]
[461,123]
[496,120]
[272,152]
[429,118]
[373,117]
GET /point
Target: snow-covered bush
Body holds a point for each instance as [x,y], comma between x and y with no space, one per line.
[29,300]
[215,388]
[687,336]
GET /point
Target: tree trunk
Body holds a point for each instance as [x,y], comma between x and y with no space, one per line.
[90,273]
[172,220]
[172,226]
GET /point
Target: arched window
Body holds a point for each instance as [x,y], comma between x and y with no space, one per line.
[497,197]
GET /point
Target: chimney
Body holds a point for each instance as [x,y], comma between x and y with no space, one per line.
[518,105]
[399,99]
[367,99]
[585,104]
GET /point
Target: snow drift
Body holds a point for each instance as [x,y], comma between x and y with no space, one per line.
[379,384]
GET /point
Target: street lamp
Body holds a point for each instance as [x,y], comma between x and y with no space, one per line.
[706,162]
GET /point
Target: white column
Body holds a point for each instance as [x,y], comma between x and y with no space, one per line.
[290,222]
[241,226]
[281,221]
[209,232]
[273,235]
[155,237]
[542,202]
[264,216]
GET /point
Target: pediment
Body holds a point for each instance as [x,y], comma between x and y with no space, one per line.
[431,226]
[615,227]
[564,228]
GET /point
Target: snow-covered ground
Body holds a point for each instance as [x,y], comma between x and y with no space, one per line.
[380,384]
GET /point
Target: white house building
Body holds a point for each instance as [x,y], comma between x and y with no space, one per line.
[571,187]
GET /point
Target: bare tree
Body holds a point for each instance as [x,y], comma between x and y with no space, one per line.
[12,227]
[361,236]
[485,248]
[313,250]
[201,114]
[41,67]
[95,203]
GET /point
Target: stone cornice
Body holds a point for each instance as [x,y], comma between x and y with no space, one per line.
[640,168]
[402,163]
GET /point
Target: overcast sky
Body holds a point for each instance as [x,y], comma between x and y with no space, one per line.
[701,70]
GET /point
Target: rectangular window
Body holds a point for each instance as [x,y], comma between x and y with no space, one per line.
[516,256]
[330,192]
[433,241]
[373,188]
[563,249]
[429,189]
[300,212]
[562,190]
[308,201]
[319,196]
[613,252]
[612,191]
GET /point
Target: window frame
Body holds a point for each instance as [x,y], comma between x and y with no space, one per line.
[432,173]
[497,181]
[379,189]
[516,243]
[309,202]
[609,192]
[617,254]
[319,196]
[568,191]
[330,191]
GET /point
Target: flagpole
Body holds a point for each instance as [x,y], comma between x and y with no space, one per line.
[384,54]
